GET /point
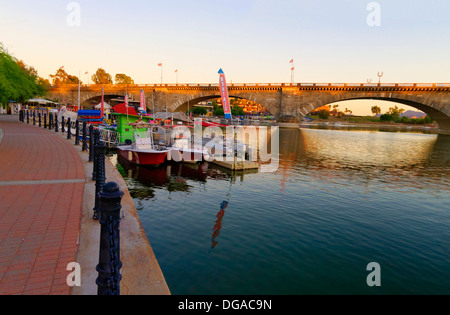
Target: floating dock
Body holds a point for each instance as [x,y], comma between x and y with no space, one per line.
[237,165]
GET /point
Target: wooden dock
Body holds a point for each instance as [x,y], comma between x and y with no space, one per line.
[237,165]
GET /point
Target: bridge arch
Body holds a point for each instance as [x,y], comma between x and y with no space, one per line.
[183,104]
[94,100]
[430,106]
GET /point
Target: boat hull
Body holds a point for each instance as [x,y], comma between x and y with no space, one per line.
[144,157]
[189,155]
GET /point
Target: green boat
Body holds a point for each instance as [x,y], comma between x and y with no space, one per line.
[124,130]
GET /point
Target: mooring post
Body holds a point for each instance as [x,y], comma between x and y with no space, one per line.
[56,123]
[62,124]
[34,118]
[108,268]
[39,120]
[99,173]
[69,129]
[45,121]
[77,133]
[84,148]
[92,143]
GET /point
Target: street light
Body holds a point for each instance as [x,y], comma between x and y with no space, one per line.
[380,74]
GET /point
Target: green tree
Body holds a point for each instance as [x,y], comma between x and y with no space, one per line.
[376,110]
[123,79]
[323,114]
[62,77]
[219,111]
[237,111]
[101,77]
[198,110]
[18,82]
[395,112]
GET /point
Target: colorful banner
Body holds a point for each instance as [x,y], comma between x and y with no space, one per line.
[142,105]
[103,104]
[224,95]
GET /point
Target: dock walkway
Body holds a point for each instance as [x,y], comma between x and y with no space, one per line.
[46,201]
[42,181]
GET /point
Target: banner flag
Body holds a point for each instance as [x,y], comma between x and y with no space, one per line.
[224,95]
[142,105]
[103,103]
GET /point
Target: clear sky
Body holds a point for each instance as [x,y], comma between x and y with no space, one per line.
[252,40]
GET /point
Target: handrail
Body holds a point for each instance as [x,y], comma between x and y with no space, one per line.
[215,85]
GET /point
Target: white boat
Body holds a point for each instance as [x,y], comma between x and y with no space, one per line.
[143,151]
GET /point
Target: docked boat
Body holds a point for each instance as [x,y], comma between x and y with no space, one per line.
[184,150]
[143,151]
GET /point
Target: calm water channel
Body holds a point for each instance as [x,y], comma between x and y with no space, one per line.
[340,200]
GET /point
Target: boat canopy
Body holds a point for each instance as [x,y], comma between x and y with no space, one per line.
[176,116]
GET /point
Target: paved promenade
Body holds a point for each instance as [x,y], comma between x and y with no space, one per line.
[42,182]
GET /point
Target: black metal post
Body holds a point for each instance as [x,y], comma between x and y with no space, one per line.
[92,143]
[39,119]
[84,137]
[69,129]
[62,124]
[94,157]
[99,174]
[34,118]
[77,133]
[56,123]
[50,121]
[28,117]
[108,268]
[45,121]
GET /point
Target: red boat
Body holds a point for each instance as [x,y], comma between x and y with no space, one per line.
[143,151]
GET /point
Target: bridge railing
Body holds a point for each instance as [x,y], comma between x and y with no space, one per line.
[203,85]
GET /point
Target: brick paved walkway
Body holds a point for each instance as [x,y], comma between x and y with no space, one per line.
[42,180]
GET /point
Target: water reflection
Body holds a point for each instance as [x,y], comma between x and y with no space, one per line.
[338,201]
[218,224]
[365,156]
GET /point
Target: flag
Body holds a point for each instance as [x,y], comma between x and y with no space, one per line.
[224,95]
[86,72]
[292,61]
[159,64]
[103,104]
[142,105]
[176,70]
[293,68]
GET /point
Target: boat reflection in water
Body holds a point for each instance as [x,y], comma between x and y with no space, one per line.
[143,181]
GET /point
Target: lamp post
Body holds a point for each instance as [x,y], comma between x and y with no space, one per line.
[380,75]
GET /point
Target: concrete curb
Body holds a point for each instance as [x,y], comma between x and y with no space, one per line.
[141,273]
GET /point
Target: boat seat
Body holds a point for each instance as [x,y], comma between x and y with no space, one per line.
[143,143]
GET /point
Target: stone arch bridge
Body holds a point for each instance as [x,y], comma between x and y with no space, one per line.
[281,100]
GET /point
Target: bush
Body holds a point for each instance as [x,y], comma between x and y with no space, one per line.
[386,117]
[200,111]
[323,114]
[237,111]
